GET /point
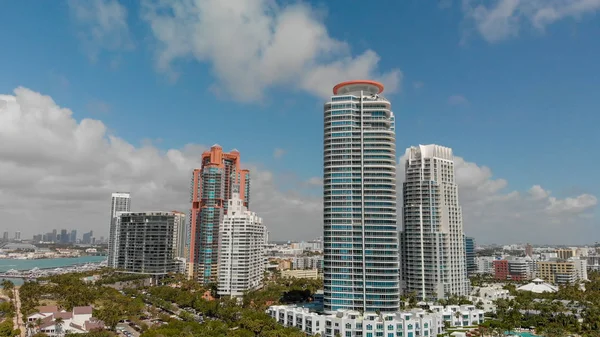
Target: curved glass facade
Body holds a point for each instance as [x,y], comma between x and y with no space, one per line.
[360,232]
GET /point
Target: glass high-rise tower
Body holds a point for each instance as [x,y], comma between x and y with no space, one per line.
[361,267]
[212,187]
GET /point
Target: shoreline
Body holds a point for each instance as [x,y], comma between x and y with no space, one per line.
[47,258]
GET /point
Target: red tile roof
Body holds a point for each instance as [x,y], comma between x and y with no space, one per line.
[46,309]
[87,310]
[63,315]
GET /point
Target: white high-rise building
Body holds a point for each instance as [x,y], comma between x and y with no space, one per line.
[120,202]
[581,268]
[433,249]
[242,240]
[360,241]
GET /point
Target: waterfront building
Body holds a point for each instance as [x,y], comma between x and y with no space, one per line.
[120,202]
[242,238]
[211,188]
[87,237]
[470,255]
[353,323]
[77,321]
[64,236]
[5,236]
[181,233]
[17,236]
[361,269]
[73,236]
[147,243]
[433,243]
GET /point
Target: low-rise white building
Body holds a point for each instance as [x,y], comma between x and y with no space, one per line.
[485,264]
[54,322]
[486,296]
[349,323]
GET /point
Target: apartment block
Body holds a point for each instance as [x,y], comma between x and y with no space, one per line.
[432,239]
[148,243]
[557,272]
[351,323]
[211,188]
[242,237]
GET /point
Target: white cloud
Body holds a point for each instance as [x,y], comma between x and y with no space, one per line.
[537,192]
[56,172]
[418,84]
[458,100]
[494,213]
[278,153]
[499,20]
[254,45]
[102,25]
[315,181]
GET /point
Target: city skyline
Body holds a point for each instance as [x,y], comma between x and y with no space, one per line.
[133,108]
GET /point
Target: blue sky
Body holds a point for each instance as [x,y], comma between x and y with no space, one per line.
[508,88]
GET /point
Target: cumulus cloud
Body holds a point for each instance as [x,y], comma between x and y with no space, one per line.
[278,153]
[315,181]
[102,25]
[254,45]
[57,172]
[499,20]
[495,214]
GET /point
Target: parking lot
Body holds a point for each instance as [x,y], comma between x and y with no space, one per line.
[125,330]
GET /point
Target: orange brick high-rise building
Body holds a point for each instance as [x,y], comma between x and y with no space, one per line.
[212,187]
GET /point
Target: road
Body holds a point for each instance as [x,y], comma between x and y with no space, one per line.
[18,322]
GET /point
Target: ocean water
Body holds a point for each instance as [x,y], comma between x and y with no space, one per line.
[7,264]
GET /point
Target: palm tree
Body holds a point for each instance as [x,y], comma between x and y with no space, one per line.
[30,326]
[38,324]
[58,322]
[8,287]
[458,316]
